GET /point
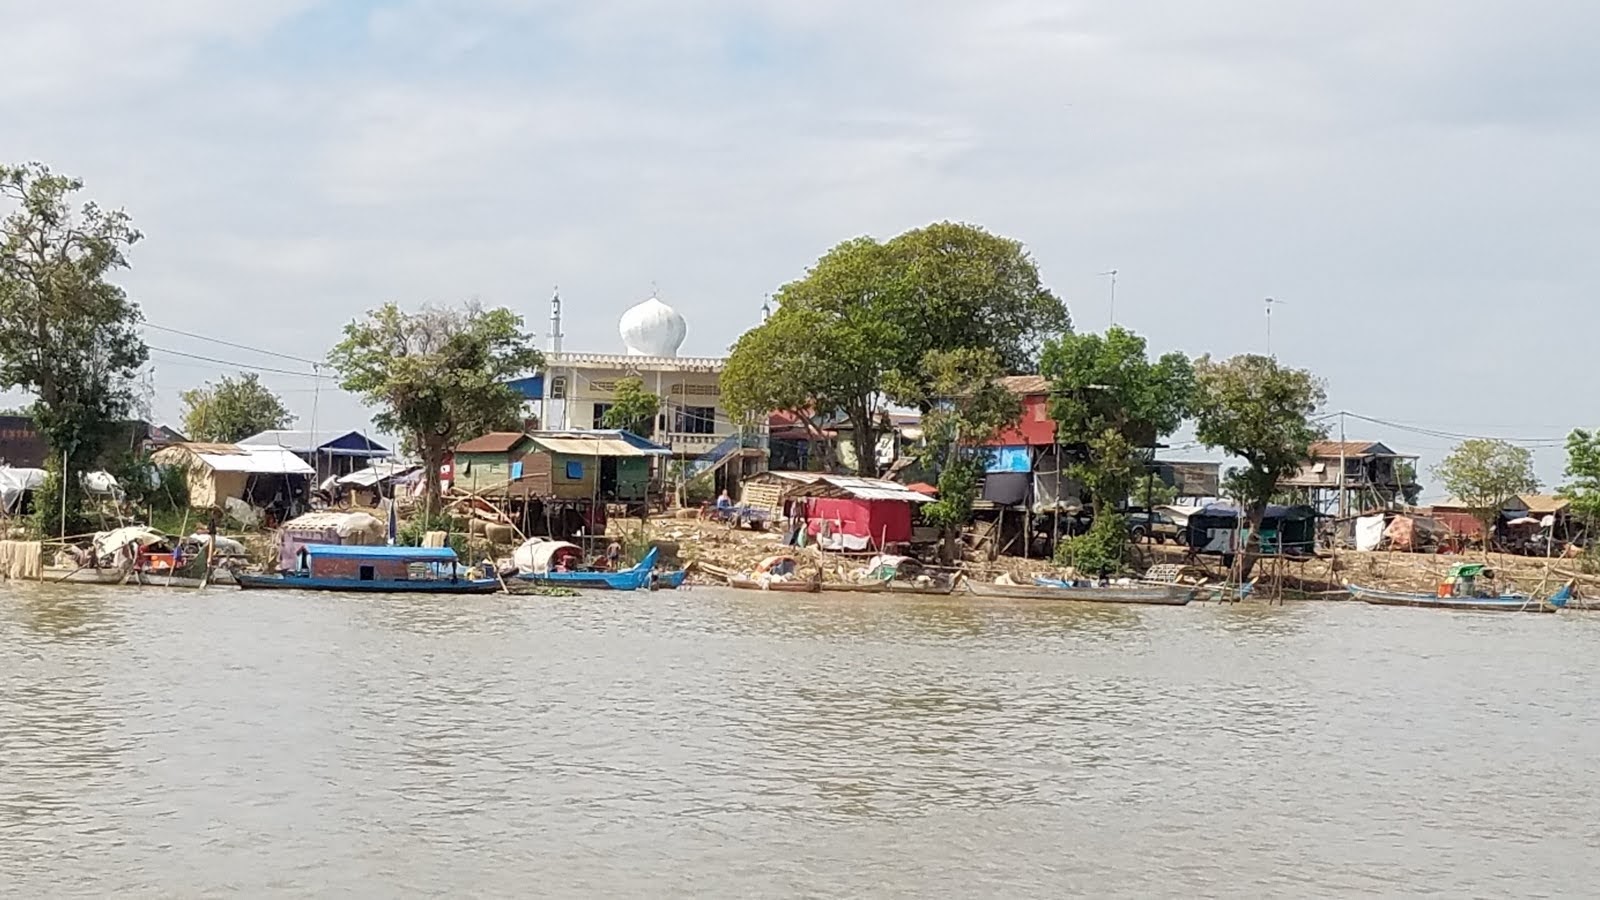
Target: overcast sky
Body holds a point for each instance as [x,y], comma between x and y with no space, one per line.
[1414,179]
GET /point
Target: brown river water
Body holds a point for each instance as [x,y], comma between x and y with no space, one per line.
[709,743]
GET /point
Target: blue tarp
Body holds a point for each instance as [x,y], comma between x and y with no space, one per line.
[1009,459]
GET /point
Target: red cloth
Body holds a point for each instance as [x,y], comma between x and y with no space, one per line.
[877,520]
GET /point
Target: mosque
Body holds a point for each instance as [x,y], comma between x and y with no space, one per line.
[576,389]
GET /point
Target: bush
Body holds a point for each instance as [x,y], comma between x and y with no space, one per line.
[1100,550]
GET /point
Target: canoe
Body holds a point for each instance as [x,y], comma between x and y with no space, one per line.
[631,579]
[1502,603]
[353,586]
[888,587]
[792,587]
[1052,589]
[669,581]
[85,575]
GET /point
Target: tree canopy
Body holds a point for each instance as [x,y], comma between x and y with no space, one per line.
[1583,474]
[67,335]
[437,376]
[855,331]
[632,407]
[1108,397]
[1483,474]
[1261,412]
[232,409]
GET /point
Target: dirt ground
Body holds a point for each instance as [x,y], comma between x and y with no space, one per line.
[705,542]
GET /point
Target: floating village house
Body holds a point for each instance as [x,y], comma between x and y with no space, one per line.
[266,478]
[1352,476]
[557,482]
[575,391]
[329,454]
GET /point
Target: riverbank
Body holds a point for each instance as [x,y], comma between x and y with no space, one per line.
[701,541]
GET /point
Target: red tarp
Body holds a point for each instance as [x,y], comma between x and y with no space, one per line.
[877,520]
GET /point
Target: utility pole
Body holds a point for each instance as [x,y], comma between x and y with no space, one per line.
[1270,303]
[1113,274]
[1342,509]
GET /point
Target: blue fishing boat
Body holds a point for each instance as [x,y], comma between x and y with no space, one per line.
[629,579]
[382,570]
[1460,590]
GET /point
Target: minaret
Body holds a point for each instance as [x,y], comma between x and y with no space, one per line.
[766,307]
[555,322]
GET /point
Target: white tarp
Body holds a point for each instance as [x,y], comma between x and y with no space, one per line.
[1369,533]
[533,557]
[108,543]
[15,482]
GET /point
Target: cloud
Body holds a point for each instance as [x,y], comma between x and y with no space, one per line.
[1412,179]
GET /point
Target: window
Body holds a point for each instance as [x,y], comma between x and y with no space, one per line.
[697,420]
[366,574]
[574,470]
[600,410]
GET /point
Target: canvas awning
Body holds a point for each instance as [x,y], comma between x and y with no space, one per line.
[599,446]
[533,557]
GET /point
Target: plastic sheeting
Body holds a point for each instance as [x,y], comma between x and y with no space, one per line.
[16,482]
[534,556]
[1010,459]
[1369,533]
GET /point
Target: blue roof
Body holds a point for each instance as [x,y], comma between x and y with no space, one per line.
[338,551]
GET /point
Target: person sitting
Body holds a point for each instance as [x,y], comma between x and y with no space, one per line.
[724,506]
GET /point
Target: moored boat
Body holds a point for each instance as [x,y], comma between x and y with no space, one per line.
[1460,590]
[890,574]
[397,570]
[629,579]
[1057,589]
[776,573]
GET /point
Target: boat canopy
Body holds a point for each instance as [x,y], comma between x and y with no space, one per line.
[109,542]
[535,556]
[342,551]
[1467,570]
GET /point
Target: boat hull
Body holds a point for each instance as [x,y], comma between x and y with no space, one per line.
[1146,595]
[351,586]
[72,575]
[782,587]
[888,587]
[1431,601]
[626,580]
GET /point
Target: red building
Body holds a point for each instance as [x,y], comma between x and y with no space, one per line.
[1035,428]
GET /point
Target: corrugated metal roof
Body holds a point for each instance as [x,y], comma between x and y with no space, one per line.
[444,554]
[584,446]
[234,458]
[857,488]
[493,442]
[1026,384]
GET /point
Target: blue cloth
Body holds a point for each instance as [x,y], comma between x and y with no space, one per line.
[1010,459]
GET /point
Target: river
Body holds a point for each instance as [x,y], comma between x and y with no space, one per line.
[710,743]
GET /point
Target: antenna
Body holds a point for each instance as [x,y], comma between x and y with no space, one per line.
[555,321]
[1113,274]
[766,307]
[1270,303]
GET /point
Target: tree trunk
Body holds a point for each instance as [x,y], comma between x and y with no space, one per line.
[432,452]
[866,441]
[1251,551]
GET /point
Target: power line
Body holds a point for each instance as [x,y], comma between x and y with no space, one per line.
[201,337]
[232,364]
[1459,436]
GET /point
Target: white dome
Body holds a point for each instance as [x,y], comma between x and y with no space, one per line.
[653,329]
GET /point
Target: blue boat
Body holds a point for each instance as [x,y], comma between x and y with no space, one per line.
[630,579]
[1460,590]
[379,570]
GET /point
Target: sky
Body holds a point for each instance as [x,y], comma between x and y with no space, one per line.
[1411,180]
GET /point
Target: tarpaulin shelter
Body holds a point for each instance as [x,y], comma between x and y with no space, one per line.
[1219,528]
[843,512]
[321,528]
[16,484]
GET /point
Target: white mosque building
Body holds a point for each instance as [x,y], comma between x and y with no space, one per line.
[577,388]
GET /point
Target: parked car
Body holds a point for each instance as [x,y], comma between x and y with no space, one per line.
[1158,527]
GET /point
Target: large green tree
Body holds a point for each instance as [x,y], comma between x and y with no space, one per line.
[853,334]
[1113,403]
[437,376]
[968,407]
[68,335]
[633,408]
[1583,475]
[1483,474]
[232,409]
[1261,412]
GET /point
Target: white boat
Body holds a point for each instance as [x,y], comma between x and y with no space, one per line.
[1051,589]
[81,575]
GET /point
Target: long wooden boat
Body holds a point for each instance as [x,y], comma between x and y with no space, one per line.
[377,570]
[630,579]
[1148,594]
[81,575]
[792,587]
[887,587]
[1502,603]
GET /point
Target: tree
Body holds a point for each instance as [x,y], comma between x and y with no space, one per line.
[1483,474]
[1260,412]
[67,335]
[1109,399]
[232,409]
[437,376]
[968,408]
[1583,470]
[633,408]
[854,333]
